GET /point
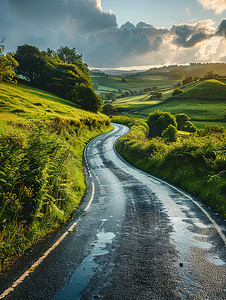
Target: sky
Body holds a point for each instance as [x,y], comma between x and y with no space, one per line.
[124,34]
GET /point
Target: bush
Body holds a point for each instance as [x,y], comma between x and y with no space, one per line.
[158,121]
[170,134]
[108,108]
[177,91]
[184,123]
[156,95]
[210,129]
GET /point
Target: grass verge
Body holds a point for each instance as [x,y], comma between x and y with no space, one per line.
[41,169]
[195,163]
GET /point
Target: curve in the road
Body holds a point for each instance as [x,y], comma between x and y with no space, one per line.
[179,190]
[141,238]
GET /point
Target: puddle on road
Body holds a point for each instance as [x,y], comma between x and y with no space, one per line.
[86,269]
[184,238]
[216,260]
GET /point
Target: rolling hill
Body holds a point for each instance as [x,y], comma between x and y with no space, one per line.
[209,88]
[25,104]
[202,101]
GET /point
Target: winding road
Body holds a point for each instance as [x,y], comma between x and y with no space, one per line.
[133,237]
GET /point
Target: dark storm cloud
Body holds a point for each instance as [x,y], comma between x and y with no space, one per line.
[221,31]
[84,15]
[87,17]
[188,35]
[84,25]
[39,12]
[127,42]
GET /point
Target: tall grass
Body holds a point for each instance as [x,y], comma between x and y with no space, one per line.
[41,170]
[196,162]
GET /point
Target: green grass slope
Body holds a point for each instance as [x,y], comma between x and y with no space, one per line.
[42,138]
[204,103]
[209,88]
[134,102]
[110,83]
[23,102]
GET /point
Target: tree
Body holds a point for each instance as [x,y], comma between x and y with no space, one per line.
[187,80]
[70,56]
[124,80]
[210,75]
[88,99]
[7,66]
[197,78]
[177,75]
[177,91]
[158,121]
[126,94]
[108,108]
[62,73]
[31,62]
[1,46]
[170,134]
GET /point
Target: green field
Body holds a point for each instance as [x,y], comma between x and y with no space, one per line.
[198,110]
[211,110]
[209,88]
[139,101]
[109,84]
[134,102]
[25,104]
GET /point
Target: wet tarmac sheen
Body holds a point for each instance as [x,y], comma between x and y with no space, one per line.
[136,237]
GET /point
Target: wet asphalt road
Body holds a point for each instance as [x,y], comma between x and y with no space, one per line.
[139,238]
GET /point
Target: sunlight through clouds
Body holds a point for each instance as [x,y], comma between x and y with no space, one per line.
[217,5]
[95,33]
[211,49]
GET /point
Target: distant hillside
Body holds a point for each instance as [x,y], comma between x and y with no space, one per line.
[209,88]
[193,69]
[114,72]
[202,101]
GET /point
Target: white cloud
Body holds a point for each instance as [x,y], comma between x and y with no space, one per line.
[211,50]
[217,5]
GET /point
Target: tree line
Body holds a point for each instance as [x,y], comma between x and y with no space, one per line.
[61,72]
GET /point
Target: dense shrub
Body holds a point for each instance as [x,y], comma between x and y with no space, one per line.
[158,121]
[170,134]
[177,91]
[156,95]
[184,123]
